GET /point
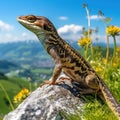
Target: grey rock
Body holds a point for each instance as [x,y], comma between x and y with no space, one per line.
[47,102]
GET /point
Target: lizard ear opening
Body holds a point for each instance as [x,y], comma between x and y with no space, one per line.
[45,27]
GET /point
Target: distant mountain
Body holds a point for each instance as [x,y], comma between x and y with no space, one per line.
[28,51]
[23,52]
[11,51]
[28,55]
[18,56]
[2,76]
[6,64]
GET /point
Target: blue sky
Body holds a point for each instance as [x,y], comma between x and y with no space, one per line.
[68,17]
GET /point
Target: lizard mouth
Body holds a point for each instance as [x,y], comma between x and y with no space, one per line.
[35,23]
[23,22]
[29,25]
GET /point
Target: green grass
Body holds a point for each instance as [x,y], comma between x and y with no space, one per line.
[12,86]
[42,71]
[93,110]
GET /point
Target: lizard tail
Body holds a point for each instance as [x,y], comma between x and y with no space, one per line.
[110,100]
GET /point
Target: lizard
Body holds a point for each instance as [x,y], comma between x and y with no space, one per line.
[67,59]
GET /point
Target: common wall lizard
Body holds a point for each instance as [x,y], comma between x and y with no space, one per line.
[67,59]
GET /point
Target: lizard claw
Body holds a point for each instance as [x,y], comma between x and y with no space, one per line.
[51,82]
[46,82]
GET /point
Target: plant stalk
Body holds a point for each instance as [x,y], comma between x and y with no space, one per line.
[114,53]
[88,18]
[7,96]
[108,46]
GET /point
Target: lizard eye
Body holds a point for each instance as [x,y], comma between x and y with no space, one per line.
[31,18]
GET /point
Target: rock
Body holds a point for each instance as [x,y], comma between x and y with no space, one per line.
[47,103]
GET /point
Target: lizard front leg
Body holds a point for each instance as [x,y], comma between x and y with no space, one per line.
[56,73]
[57,69]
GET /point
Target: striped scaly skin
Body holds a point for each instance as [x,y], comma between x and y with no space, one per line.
[68,60]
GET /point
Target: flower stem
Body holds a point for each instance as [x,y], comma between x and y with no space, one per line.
[7,96]
[88,18]
[107,55]
[114,53]
[108,46]
[86,52]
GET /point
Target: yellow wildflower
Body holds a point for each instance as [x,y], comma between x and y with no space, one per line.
[104,60]
[115,61]
[97,66]
[21,95]
[118,49]
[115,64]
[98,69]
[113,30]
[84,41]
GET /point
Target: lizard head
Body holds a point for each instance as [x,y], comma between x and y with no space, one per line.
[37,24]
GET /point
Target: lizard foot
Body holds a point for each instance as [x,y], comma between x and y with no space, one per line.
[59,81]
[50,82]
[66,80]
[46,82]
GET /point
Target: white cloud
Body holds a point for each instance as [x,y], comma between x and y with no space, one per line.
[28,36]
[10,37]
[63,18]
[72,28]
[95,17]
[5,27]
[70,32]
